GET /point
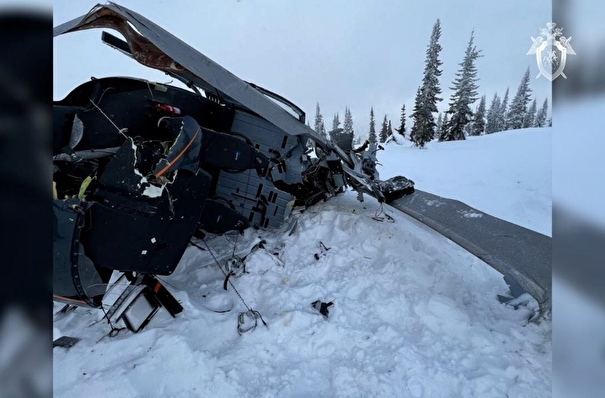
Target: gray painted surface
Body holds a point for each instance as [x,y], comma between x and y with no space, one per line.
[518,253]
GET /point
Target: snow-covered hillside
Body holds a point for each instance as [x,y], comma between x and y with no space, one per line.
[414,315]
[507,174]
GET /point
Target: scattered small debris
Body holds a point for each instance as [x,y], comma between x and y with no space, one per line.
[381,215]
[323,249]
[322,307]
[65,342]
[65,310]
[247,321]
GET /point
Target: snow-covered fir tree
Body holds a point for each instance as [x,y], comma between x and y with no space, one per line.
[492,115]
[372,135]
[478,125]
[335,122]
[401,129]
[347,126]
[518,106]
[465,93]
[416,133]
[540,120]
[439,125]
[427,95]
[348,122]
[445,121]
[319,122]
[503,113]
[530,116]
[384,133]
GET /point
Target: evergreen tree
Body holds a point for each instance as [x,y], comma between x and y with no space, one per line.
[549,122]
[384,130]
[439,125]
[465,93]
[492,115]
[478,126]
[445,121]
[518,107]
[540,120]
[401,129]
[503,113]
[427,95]
[348,125]
[319,122]
[372,135]
[416,134]
[530,116]
[335,122]
[389,129]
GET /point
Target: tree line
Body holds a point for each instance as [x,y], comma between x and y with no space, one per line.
[459,120]
[386,130]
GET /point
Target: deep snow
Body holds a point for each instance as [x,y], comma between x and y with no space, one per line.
[414,314]
[507,174]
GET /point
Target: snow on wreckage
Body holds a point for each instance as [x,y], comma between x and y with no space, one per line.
[141,167]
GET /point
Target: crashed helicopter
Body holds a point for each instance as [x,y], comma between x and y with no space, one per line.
[140,167]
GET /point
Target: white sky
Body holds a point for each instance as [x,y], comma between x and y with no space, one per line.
[340,52]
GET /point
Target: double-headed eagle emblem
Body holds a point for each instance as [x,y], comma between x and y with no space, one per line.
[551,49]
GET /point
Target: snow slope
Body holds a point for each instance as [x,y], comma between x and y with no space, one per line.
[414,315]
[507,174]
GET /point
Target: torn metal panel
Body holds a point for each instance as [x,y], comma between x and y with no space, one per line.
[120,175]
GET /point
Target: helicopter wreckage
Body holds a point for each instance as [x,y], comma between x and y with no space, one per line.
[140,167]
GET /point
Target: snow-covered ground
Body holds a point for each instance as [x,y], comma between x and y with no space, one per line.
[507,175]
[414,315]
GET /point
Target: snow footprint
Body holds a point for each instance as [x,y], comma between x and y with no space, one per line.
[420,246]
[325,350]
[415,387]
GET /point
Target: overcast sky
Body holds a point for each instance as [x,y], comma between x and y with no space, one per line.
[355,53]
